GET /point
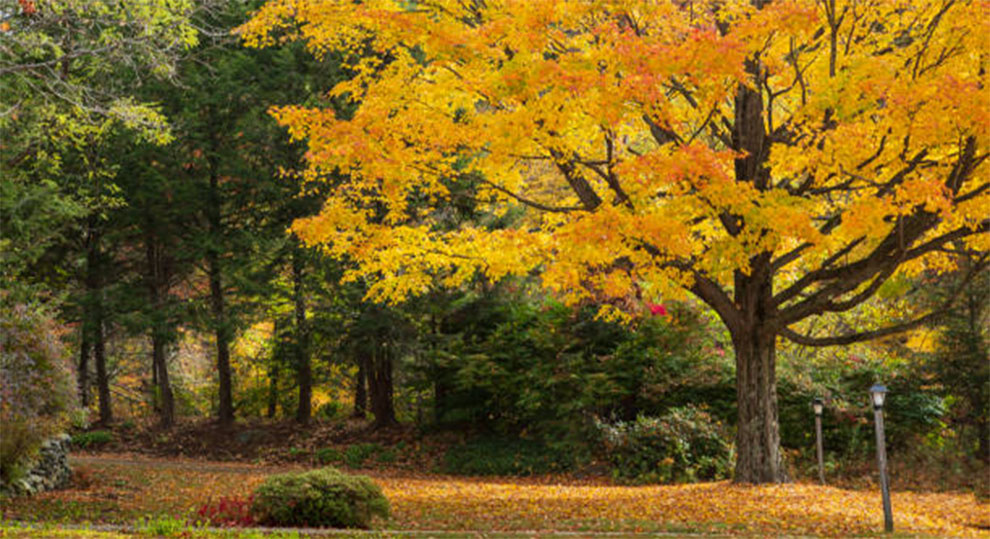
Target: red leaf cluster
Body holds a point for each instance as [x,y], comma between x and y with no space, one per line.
[228,512]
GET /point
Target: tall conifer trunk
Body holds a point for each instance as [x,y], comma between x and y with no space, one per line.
[102,376]
[157,280]
[83,378]
[303,366]
[94,320]
[222,330]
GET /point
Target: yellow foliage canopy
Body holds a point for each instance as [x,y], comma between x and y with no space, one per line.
[821,145]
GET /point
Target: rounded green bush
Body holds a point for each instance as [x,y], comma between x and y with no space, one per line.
[319,498]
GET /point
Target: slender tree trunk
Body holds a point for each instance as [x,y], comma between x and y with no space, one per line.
[360,389]
[102,377]
[83,378]
[303,366]
[93,323]
[272,391]
[166,398]
[157,282]
[380,387]
[225,412]
[273,372]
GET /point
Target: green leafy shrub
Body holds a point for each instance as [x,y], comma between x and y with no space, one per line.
[684,444]
[329,410]
[93,438]
[37,386]
[324,497]
[355,456]
[386,456]
[493,456]
[328,455]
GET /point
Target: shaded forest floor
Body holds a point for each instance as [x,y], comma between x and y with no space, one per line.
[270,442]
[406,447]
[123,488]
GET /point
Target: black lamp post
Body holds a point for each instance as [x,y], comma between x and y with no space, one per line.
[819,406]
[878,394]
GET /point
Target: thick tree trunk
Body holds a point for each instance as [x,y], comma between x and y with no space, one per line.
[380,387]
[758,457]
[361,389]
[303,366]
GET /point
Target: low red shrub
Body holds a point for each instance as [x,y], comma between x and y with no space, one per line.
[228,512]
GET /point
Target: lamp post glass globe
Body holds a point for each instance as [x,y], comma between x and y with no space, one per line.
[819,405]
[878,392]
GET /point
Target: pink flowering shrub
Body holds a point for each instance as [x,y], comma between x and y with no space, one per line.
[37,386]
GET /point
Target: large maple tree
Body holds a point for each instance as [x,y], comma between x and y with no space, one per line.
[778,160]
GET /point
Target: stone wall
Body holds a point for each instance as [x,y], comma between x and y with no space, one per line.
[51,471]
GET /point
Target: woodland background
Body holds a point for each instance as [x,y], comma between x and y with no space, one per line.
[146,199]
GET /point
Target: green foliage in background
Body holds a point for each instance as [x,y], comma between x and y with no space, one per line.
[507,457]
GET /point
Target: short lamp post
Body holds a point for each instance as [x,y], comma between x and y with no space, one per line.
[878,393]
[819,406]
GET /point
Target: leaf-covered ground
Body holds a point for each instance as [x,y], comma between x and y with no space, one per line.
[121,489]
